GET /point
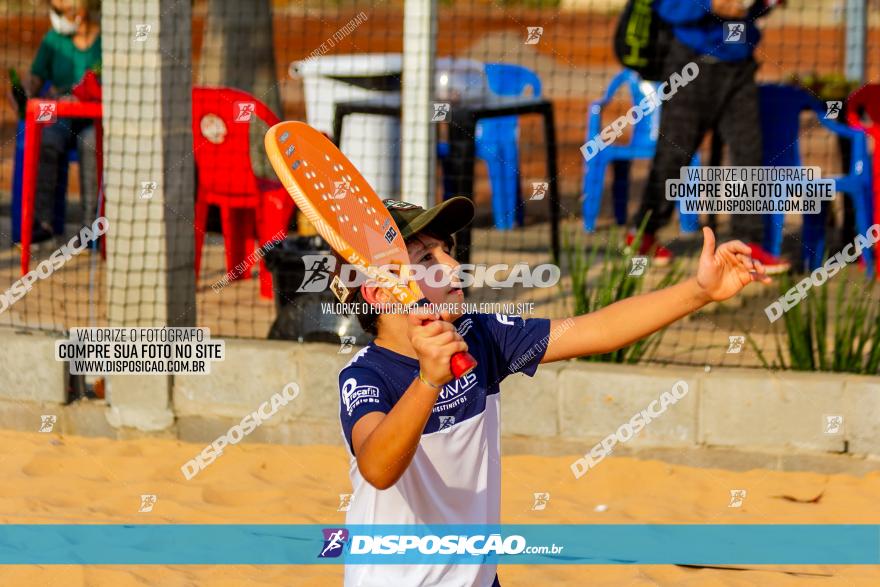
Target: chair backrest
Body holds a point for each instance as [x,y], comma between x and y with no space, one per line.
[221,141]
[646,130]
[781,107]
[865,102]
[506,79]
[509,79]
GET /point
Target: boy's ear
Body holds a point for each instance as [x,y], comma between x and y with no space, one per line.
[368,293]
[374,294]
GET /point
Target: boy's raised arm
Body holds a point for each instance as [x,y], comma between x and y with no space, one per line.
[721,274]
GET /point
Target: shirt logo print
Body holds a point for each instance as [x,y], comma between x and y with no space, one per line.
[353,394]
[454,393]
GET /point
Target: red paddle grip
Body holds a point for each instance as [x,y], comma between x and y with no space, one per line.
[461,364]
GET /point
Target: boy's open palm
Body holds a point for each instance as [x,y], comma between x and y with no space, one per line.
[724,271]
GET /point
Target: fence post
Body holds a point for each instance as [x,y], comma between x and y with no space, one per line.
[856,33]
[147,94]
[418,133]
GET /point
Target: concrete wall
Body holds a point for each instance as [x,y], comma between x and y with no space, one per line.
[749,418]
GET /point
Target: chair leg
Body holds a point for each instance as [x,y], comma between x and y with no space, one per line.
[863,220]
[514,183]
[273,218]
[448,185]
[199,225]
[265,227]
[502,212]
[593,187]
[620,189]
[17,169]
[238,236]
[689,222]
[874,182]
[813,247]
[59,209]
[773,224]
[518,203]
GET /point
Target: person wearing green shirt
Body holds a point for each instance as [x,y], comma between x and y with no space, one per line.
[70,49]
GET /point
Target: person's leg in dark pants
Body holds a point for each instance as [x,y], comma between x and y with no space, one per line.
[683,123]
[681,132]
[88,172]
[56,140]
[740,129]
[739,125]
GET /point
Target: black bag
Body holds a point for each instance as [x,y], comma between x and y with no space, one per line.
[642,39]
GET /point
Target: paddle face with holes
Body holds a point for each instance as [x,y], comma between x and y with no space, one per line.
[339,202]
[344,209]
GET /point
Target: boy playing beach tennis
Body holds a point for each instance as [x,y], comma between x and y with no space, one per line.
[426,449]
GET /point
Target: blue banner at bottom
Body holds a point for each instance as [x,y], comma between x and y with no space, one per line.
[297,544]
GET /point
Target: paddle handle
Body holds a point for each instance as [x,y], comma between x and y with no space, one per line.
[461,362]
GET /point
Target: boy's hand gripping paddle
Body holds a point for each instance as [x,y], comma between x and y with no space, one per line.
[345,210]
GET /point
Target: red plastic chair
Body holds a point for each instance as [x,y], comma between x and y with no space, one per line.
[251,208]
[863,112]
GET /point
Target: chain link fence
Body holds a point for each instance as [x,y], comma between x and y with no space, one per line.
[189,194]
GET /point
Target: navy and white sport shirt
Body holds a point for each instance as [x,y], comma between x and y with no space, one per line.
[455,475]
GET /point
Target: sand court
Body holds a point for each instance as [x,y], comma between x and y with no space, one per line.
[53,479]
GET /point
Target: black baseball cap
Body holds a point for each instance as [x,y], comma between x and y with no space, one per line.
[444,219]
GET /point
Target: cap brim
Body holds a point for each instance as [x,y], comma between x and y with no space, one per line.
[444,219]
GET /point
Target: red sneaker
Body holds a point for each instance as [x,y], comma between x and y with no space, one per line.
[773,265]
[662,256]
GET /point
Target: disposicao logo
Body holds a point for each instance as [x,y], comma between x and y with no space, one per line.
[334,542]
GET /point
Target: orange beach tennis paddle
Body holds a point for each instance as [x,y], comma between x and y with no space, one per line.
[345,210]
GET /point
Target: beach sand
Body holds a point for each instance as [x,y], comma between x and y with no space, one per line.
[48,478]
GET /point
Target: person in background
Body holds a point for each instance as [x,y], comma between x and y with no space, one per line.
[724,96]
[70,48]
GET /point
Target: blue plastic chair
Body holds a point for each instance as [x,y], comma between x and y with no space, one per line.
[496,143]
[642,146]
[781,107]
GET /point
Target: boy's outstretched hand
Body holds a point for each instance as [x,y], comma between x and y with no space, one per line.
[724,271]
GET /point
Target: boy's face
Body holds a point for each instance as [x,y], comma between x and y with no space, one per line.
[434,255]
